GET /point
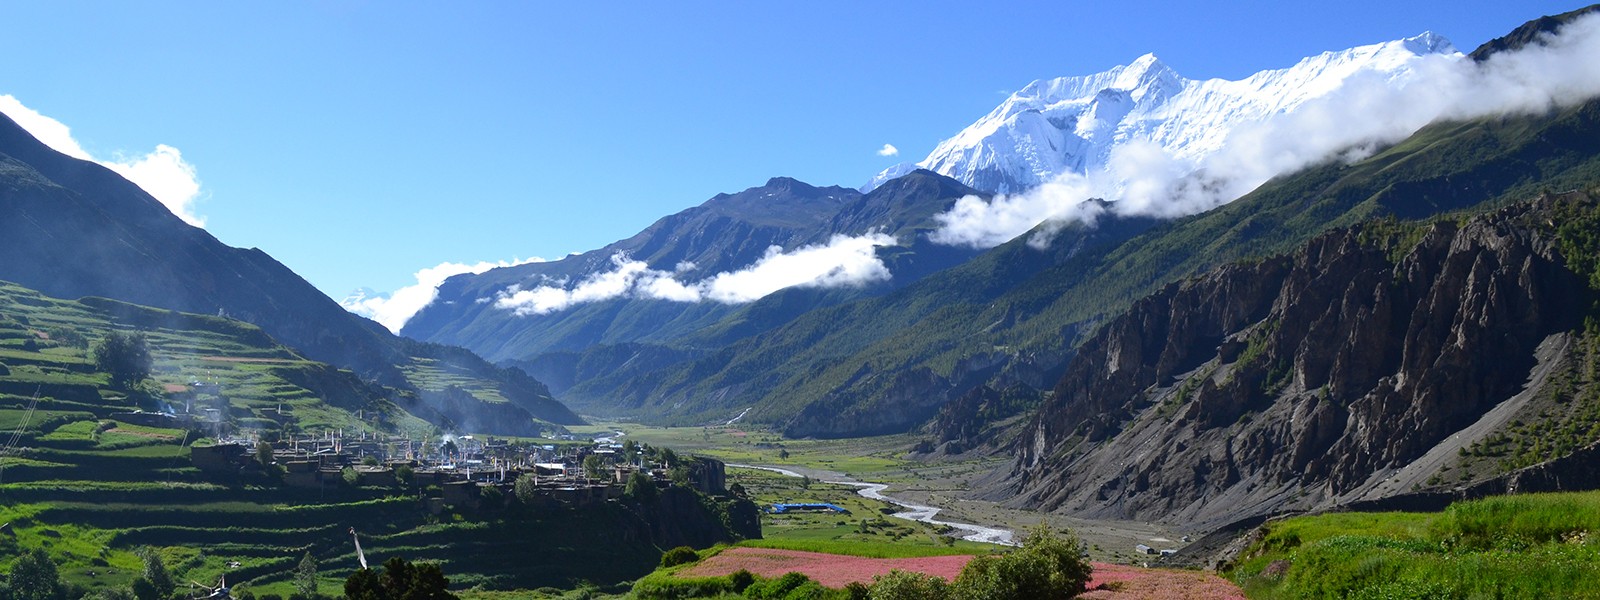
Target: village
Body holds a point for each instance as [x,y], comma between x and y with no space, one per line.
[463,468]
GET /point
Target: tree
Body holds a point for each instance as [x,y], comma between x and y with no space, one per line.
[401,580]
[34,577]
[305,576]
[679,475]
[593,466]
[264,453]
[490,497]
[640,487]
[144,590]
[403,474]
[155,572]
[448,448]
[526,489]
[125,356]
[112,593]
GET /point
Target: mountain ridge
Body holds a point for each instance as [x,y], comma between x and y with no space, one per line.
[74,228]
[726,234]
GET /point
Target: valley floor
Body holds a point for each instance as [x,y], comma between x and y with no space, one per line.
[940,483]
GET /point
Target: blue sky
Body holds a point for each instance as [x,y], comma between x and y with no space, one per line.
[359,142]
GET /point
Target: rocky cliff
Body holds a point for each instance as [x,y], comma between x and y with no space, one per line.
[1308,379]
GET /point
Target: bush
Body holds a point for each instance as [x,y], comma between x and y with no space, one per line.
[681,555]
[908,585]
[1046,567]
[741,579]
[792,586]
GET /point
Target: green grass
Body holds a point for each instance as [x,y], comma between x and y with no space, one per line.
[868,549]
[877,458]
[90,490]
[866,531]
[1525,546]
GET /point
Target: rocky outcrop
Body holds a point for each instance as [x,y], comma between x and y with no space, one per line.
[1291,380]
[973,419]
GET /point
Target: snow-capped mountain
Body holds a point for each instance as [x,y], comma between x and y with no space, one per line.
[1071,124]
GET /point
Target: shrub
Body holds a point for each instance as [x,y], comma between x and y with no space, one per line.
[908,585]
[741,579]
[681,555]
[1046,567]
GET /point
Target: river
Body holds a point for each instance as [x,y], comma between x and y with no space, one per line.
[912,512]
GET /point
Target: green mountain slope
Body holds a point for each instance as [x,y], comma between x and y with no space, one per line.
[44,345]
[727,233]
[71,228]
[82,481]
[1015,314]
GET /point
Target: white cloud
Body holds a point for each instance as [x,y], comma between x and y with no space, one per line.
[845,261]
[50,131]
[162,173]
[888,150]
[1368,111]
[395,309]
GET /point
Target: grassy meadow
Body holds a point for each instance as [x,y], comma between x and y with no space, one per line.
[1522,546]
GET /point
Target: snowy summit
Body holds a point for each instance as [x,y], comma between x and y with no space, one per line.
[1071,124]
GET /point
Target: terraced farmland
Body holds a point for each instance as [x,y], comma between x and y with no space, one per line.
[81,481]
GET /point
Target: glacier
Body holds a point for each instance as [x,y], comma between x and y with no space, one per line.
[1072,124]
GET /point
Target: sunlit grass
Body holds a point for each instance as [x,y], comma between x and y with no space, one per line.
[1524,546]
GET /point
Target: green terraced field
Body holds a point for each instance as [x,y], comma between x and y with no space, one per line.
[91,490]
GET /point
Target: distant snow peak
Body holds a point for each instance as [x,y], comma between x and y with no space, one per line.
[844,261]
[1070,124]
[1162,145]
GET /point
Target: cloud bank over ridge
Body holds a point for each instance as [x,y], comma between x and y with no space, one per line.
[844,261]
[161,172]
[395,309]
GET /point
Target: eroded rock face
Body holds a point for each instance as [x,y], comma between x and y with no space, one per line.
[1292,380]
